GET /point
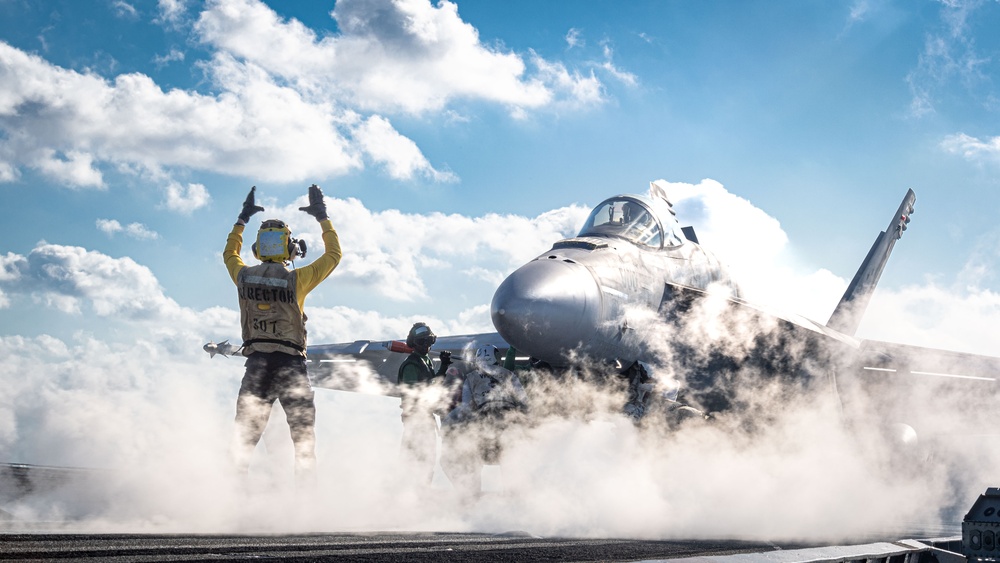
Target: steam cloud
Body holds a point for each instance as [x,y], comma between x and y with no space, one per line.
[820,460]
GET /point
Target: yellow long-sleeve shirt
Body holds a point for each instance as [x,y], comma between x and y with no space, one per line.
[269,322]
[308,277]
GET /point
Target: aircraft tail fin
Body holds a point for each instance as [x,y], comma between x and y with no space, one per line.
[847,316]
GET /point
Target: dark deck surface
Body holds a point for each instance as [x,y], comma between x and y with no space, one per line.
[357,547]
[414,547]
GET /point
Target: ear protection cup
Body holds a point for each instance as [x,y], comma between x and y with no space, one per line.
[253,248]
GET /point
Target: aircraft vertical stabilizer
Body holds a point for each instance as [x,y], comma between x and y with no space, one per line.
[847,316]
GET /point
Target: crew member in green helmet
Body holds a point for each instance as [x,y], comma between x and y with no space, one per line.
[419,402]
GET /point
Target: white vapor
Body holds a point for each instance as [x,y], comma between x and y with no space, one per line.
[145,403]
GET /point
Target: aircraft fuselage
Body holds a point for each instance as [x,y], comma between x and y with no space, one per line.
[577,297]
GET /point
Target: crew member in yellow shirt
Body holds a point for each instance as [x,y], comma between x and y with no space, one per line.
[271,298]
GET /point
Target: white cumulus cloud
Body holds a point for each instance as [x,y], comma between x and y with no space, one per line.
[134,230]
[390,56]
[399,154]
[955,316]
[972,148]
[64,123]
[185,199]
[283,104]
[71,278]
[396,258]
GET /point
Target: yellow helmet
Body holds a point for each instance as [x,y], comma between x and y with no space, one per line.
[275,243]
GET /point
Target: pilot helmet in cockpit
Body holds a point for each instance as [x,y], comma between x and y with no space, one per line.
[634,213]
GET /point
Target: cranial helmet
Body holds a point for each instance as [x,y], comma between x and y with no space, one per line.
[627,212]
[488,355]
[420,335]
[275,242]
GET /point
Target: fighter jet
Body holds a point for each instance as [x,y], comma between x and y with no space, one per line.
[593,298]
[632,256]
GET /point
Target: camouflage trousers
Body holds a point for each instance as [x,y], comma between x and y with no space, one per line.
[274,377]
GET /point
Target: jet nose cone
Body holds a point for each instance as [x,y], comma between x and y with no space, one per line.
[547,307]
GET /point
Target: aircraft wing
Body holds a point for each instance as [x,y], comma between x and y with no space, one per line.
[372,366]
[678,298]
[941,394]
[916,361]
[938,392]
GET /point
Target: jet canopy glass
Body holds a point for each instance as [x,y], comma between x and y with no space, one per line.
[627,218]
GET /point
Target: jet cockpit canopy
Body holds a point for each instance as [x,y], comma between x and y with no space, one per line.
[633,219]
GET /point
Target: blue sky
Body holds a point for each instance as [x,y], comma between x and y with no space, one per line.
[454,142]
[134,129]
